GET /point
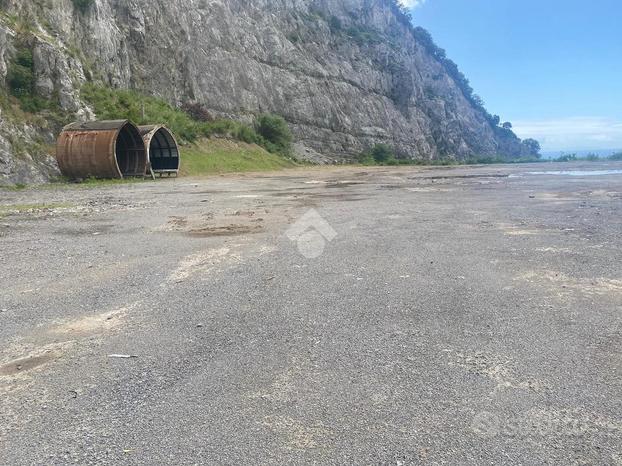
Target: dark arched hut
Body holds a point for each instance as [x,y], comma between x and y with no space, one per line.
[101,149]
[162,151]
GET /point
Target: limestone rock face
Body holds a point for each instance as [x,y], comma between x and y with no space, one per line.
[345,74]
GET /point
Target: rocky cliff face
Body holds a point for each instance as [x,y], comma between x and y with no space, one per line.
[344,73]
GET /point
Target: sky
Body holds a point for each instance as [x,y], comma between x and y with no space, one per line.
[553,68]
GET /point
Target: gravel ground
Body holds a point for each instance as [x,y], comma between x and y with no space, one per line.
[336,315]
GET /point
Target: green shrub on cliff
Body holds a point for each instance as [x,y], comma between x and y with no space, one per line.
[116,104]
[21,78]
[271,131]
[21,81]
[275,132]
[531,147]
[379,154]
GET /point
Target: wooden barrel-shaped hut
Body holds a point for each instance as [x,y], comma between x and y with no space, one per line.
[163,154]
[101,149]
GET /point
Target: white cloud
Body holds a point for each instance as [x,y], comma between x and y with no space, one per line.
[573,133]
[412,3]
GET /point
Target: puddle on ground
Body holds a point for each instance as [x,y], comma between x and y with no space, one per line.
[227,230]
[391,186]
[93,230]
[336,197]
[344,184]
[23,365]
[459,177]
[288,194]
[571,173]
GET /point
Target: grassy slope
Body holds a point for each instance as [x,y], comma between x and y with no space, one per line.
[200,155]
[210,156]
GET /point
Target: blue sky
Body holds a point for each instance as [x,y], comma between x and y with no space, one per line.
[551,67]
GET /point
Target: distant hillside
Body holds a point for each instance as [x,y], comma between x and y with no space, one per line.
[603,153]
[345,74]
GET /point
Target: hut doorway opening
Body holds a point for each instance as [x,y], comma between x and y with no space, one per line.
[164,156]
[130,152]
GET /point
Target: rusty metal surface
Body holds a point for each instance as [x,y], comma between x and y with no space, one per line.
[90,150]
[103,125]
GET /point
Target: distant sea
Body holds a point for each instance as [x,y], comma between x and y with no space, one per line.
[603,153]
